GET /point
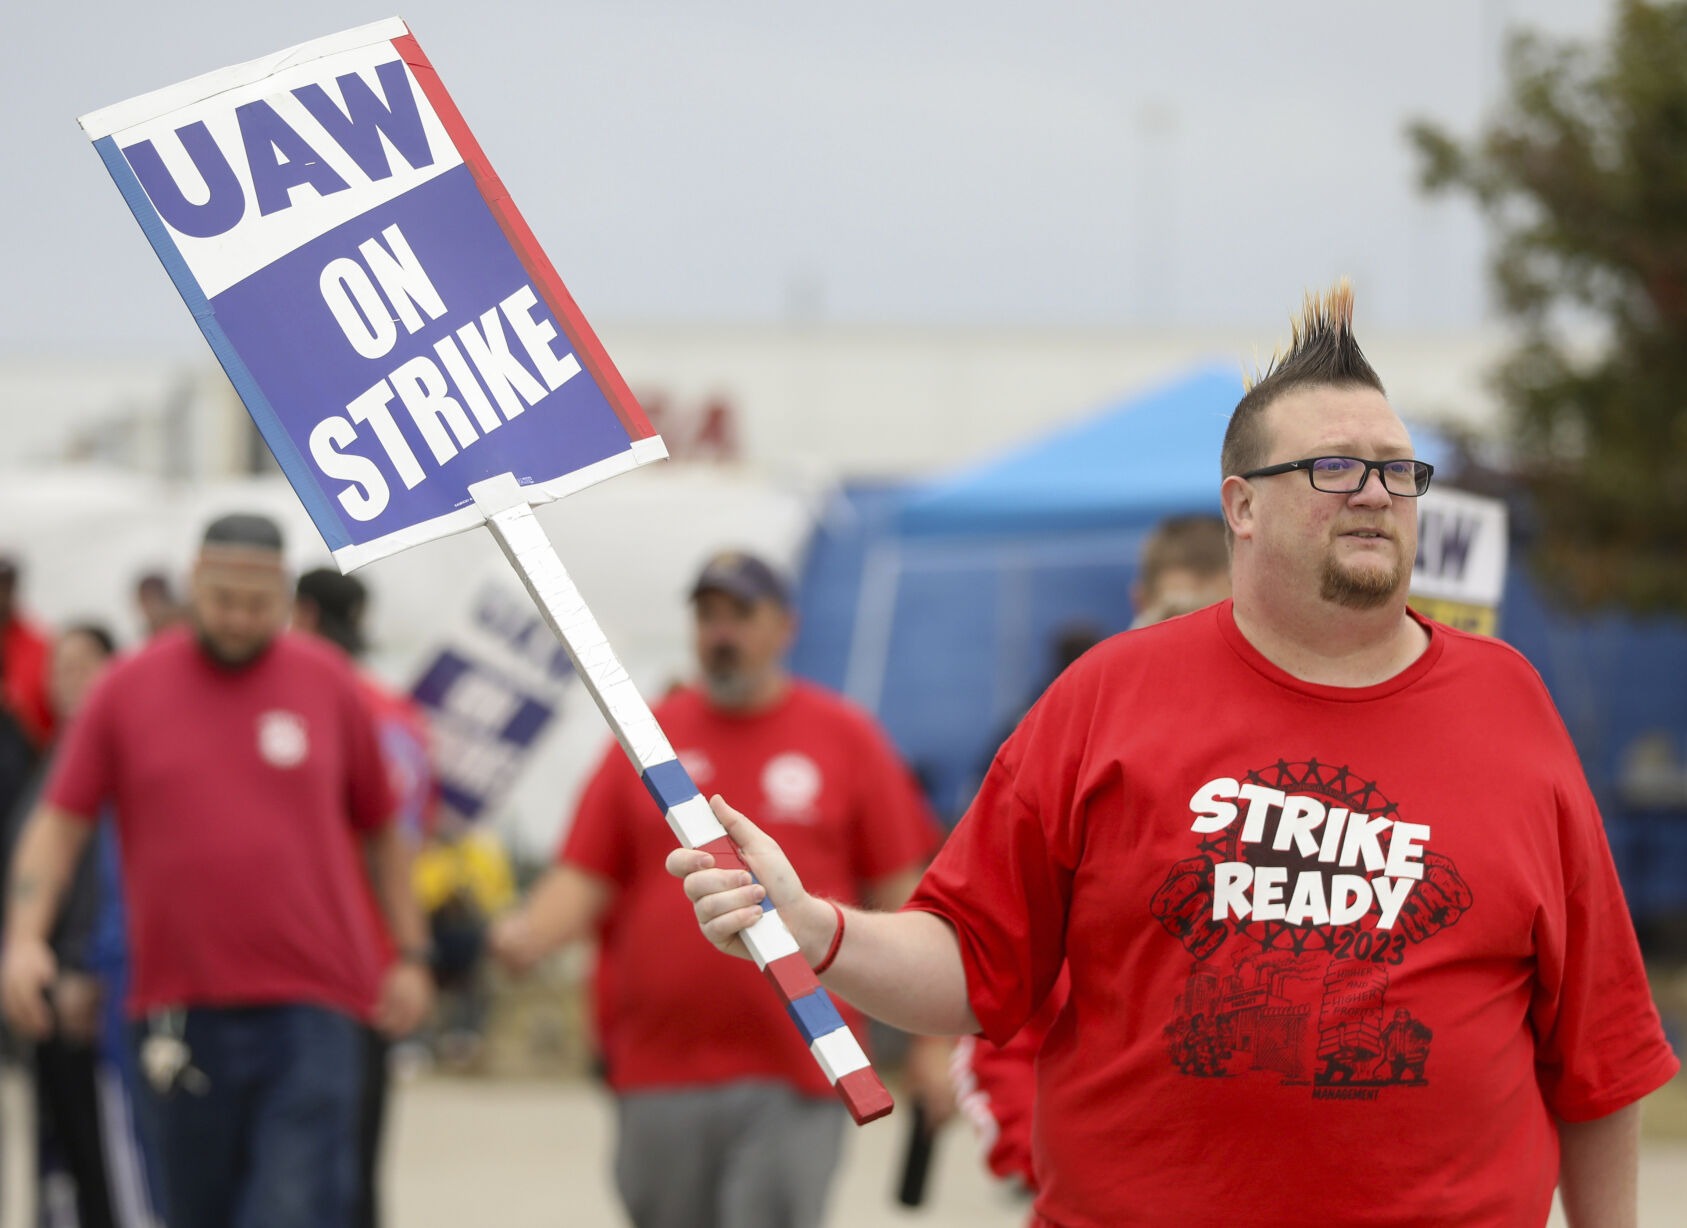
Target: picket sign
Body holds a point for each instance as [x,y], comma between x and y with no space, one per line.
[488,700]
[412,359]
[1458,577]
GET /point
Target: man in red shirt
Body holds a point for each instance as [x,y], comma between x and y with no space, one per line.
[236,756]
[1255,835]
[723,1116]
[24,654]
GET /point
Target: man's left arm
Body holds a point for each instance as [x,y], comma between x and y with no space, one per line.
[1599,1170]
[926,1067]
[896,836]
[407,988]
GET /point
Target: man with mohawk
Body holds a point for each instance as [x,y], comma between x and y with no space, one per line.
[1345,940]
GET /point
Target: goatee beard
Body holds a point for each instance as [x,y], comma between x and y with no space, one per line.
[226,661]
[729,688]
[1360,589]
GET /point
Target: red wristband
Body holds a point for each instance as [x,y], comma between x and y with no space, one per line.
[837,941]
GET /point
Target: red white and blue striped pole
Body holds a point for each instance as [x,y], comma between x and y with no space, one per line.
[523,541]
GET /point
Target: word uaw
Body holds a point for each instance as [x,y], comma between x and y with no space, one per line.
[1332,836]
[278,157]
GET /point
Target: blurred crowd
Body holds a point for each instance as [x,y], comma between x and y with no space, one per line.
[136,1080]
[231,773]
[237,902]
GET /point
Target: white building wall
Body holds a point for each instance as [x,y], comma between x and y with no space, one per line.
[831,401]
[862,401]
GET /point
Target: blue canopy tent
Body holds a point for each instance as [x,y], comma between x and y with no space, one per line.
[1150,455]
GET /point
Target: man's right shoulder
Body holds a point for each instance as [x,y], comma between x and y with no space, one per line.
[822,702]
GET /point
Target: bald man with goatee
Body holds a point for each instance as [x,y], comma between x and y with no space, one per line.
[249,794]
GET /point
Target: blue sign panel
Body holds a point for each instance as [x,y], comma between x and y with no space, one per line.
[379,304]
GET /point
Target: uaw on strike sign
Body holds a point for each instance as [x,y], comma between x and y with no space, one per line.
[417,368]
[384,312]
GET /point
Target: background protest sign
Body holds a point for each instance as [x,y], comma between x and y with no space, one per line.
[490,691]
[383,310]
[1459,575]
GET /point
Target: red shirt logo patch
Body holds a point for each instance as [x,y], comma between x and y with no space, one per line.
[282,741]
[791,784]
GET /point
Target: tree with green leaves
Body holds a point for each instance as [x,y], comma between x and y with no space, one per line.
[1583,176]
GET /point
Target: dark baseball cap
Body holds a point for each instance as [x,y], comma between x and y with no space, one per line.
[744,576]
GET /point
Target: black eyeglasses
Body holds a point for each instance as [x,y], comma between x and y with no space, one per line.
[1343,475]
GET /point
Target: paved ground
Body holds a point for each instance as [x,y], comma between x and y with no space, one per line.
[534,1154]
[537,1154]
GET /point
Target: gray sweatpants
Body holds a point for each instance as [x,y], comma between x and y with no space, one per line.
[751,1154]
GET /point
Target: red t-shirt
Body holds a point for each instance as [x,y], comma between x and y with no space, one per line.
[233,790]
[402,734]
[406,750]
[1338,955]
[24,658]
[813,772]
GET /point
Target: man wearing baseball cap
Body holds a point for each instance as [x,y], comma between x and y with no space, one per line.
[723,1116]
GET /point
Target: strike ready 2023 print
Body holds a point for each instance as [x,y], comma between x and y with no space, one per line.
[1306,887]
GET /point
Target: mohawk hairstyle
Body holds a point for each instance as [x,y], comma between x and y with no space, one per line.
[1322,354]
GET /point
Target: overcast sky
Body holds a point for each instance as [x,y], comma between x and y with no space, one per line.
[921,161]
